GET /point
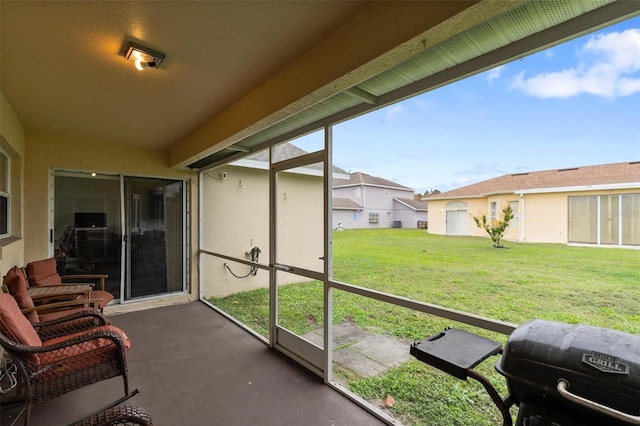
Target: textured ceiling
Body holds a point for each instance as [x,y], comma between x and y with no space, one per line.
[63,70]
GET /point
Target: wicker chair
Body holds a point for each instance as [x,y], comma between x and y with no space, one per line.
[45,273]
[15,284]
[125,415]
[49,367]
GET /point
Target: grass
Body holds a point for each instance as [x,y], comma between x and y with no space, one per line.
[591,285]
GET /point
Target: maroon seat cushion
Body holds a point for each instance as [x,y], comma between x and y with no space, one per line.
[43,272]
[17,285]
[16,326]
[81,355]
[104,295]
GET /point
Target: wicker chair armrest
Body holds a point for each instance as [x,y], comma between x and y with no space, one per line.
[71,341]
[99,317]
[69,324]
[85,337]
[101,277]
[58,306]
[118,416]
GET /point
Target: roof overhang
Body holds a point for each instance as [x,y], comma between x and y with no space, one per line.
[475,39]
[581,188]
[397,200]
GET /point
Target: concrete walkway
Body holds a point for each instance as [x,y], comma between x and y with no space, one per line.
[361,352]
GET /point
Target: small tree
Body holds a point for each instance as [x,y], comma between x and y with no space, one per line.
[496,228]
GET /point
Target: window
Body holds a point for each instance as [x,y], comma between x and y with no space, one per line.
[5,196]
[493,212]
[389,215]
[515,222]
[374,217]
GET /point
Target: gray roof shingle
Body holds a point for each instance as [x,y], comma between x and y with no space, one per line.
[345,204]
[603,174]
[416,205]
[359,178]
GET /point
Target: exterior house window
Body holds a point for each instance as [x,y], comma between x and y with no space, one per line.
[516,215]
[374,217]
[5,196]
[493,212]
[389,215]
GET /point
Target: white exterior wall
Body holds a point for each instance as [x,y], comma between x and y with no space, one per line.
[236,218]
[408,217]
[349,219]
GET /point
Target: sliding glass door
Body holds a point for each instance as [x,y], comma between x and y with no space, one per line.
[130,228]
[154,220]
[87,226]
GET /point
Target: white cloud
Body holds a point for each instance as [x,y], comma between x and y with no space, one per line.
[609,68]
[424,104]
[486,168]
[495,73]
[393,112]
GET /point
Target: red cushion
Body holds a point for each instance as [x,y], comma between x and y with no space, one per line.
[85,354]
[15,325]
[104,295]
[43,272]
[17,285]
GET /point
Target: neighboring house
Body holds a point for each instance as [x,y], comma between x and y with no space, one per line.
[582,205]
[365,201]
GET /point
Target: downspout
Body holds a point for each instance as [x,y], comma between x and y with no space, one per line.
[522,216]
[364,201]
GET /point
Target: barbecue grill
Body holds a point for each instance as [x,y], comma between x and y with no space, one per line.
[557,374]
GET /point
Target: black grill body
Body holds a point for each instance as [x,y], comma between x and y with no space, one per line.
[598,364]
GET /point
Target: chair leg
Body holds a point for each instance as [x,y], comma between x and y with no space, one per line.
[27,414]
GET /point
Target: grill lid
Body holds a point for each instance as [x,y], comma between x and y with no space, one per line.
[598,364]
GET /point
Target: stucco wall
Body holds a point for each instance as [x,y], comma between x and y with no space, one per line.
[13,142]
[347,219]
[236,217]
[542,217]
[235,212]
[408,218]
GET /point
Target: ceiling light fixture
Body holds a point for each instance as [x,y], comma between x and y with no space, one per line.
[143,56]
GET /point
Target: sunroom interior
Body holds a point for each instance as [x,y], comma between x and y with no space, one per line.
[179,180]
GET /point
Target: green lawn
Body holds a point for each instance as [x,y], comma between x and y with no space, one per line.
[598,286]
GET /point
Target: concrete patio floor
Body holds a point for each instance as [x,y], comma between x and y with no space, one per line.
[192,366]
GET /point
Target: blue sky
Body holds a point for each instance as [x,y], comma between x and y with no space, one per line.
[576,104]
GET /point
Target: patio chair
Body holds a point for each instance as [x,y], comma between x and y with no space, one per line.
[44,273]
[15,284]
[51,367]
[125,415]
